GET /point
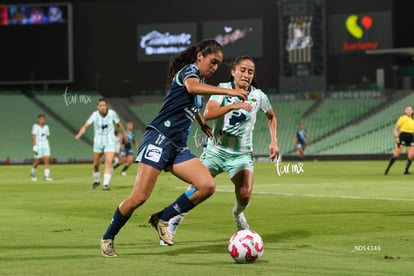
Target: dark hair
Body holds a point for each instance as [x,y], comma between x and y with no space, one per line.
[188,56]
[237,61]
[102,100]
[40,116]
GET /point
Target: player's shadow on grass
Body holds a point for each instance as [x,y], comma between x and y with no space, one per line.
[283,236]
[191,248]
[212,247]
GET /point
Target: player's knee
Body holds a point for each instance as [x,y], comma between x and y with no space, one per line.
[244,195]
[135,201]
[207,187]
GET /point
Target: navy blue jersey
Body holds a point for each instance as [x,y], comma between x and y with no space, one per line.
[131,136]
[301,135]
[179,108]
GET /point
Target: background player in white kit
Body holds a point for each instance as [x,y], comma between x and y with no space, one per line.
[104,121]
[41,147]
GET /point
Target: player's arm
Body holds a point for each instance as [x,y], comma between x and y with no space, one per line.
[214,110]
[295,139]
[396,134]
[34,144]
[122,130]
[135,143]
[272,125]
[195,87]
[82,131]
[120,141]
[204,127]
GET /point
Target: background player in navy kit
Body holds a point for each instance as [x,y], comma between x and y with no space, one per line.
[127,152]
[164,143]
[301,141]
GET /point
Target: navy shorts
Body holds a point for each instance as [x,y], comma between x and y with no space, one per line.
[127,152]
[159,152]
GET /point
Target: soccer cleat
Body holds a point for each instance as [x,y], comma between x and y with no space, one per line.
[161,227]
[107,249]
[162,243]
[105,188]
[173,224]
[48,179]
[94,185]
[407,173]
[241,222]
[34,178]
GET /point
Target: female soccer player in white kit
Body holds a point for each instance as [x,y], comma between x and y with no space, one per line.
[104,121]
[41,147]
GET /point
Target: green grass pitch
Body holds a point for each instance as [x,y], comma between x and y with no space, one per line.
[325,218]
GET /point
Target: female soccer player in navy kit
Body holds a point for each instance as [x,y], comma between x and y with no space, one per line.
[301,141]
[127,151]
[164,143]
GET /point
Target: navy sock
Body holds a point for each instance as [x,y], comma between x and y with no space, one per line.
[407,165]
[118,220]
[182,204]
[392,160]
[125,168]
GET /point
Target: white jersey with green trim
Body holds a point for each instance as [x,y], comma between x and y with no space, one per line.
[42,134]
[104,126]
[233,132]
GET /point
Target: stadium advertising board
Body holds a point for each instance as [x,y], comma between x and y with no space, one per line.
[158,42]
[238,37]
[36,43]
[357,32]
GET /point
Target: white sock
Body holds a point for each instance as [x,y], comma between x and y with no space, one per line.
[33,171]
[174,222]
[107,179]
[47,173]
[116,161]
[237,209]
[96,177]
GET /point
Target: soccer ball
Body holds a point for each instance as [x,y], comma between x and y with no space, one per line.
[245,246]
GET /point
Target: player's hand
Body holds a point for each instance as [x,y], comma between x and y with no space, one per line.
[34,149]
[274,152]
[207,130]
[243,105]
[397,140]
[242,94]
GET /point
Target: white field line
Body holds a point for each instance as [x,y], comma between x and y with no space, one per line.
[325,196]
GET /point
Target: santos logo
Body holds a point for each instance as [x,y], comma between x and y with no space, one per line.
[354,27]
[358,27]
